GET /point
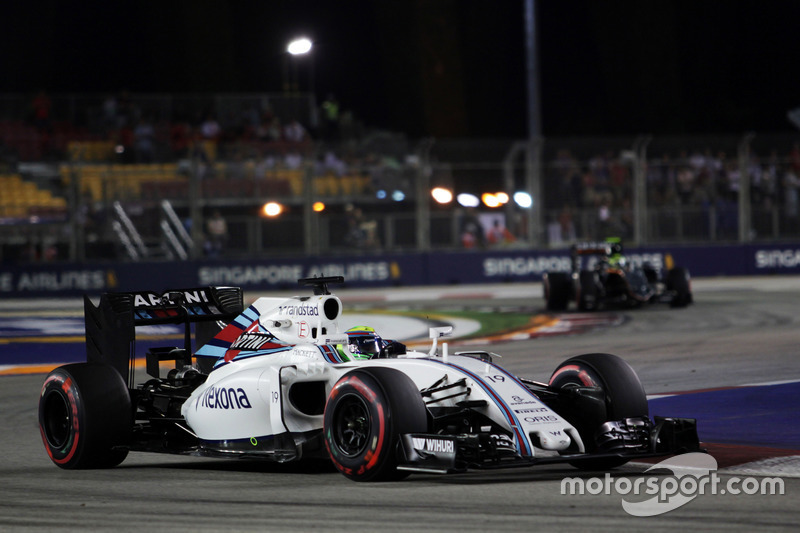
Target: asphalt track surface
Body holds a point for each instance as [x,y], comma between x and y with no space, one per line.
[739,333]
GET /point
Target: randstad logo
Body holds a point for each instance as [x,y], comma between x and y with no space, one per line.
[693,475]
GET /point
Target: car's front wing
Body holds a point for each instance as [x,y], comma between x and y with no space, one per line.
[626,439]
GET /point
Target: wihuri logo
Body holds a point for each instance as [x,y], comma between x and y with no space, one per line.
[693,474]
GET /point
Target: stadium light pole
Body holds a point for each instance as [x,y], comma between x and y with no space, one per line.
[532,70]
[533,171]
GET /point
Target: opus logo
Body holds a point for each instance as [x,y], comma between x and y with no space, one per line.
[693,474]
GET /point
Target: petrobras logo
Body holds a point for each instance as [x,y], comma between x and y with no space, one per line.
[223,398]
[778,258]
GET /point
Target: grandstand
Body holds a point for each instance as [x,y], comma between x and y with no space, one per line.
[87,172]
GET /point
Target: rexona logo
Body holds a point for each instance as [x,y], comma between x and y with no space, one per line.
[434,445]
[224,398]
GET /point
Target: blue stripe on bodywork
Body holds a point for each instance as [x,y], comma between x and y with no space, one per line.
[508,413]
[247,317]
[248,355]
[330,354]
[217,347]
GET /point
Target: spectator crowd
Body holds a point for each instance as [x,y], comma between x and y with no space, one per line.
[691,179]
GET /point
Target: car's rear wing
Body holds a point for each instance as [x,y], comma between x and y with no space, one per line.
[111,325]
[592,248]
[605,249]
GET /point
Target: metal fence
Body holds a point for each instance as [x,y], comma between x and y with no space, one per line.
[373,195]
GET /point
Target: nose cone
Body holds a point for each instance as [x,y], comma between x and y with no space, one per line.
[553,440]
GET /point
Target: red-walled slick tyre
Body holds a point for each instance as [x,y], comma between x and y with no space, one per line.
[622,390]
[85,416]
[366,413]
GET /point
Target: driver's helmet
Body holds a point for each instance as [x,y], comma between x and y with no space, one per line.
[615,257]
[363,343]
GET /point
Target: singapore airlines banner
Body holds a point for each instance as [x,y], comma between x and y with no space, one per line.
[433,268]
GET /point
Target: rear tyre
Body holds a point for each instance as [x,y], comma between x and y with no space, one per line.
[678,282]
[623,392]
[650,273]
[85,416]
[557,290]
[367,412]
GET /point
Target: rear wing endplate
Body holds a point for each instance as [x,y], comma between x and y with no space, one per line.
[111,325]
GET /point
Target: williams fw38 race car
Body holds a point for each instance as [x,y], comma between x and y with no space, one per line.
[610,280]
[280,381]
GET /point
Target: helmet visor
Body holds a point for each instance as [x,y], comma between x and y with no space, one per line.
[366,345]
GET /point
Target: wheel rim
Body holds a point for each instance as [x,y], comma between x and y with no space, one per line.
[352,423]
[57,419]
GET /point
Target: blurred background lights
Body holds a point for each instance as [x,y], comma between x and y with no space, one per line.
[490,200]
[318,207]
[272,209]
[299,46]
[523,199]
[501,197]
[380,195]
[466,199]
[398,196]
[442,195]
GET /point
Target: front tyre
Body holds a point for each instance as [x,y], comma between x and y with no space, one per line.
[85,416]
[557,290]
[589,283]
[679,282]
[367,411]
[622,390]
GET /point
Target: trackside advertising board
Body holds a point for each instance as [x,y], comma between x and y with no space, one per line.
[434,268]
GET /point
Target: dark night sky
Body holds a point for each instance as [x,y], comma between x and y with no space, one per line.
[435,67]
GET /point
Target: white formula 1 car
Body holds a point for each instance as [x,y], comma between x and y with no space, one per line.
[281,381]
